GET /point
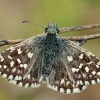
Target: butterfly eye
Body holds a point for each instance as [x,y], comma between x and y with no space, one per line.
[46,29]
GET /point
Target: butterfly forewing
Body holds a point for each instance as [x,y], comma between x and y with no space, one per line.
[16,63]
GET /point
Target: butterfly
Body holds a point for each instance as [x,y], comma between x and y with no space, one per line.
[58,62]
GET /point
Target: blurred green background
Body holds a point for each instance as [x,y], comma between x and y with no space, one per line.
[64,13]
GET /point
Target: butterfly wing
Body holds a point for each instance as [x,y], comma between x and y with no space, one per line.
[16,63]
[85,66]
[79,68]
[60,81]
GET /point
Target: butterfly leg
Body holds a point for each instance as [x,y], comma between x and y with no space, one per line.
[81,42]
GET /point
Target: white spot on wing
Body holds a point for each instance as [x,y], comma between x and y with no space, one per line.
[19,61]
[55,88]
[76,90]
[84,87]
[49,86]
[1,56]
[4,66]
[61,90]
[26,85]
[30,55]
[97,66]
[19,51]
[67,83]
[93,72]
[18,78]
[70,58]
[7,49]
[33,85]
[98,80]
[4,75]
[20,84]
[11,63]
[87,69]
[89,53]
[2,59]
[62,81]
[84,75]
[81,56]
[28,76]
[98,73]
[25,66]
[93,81]
[21,65]
[14,69]
[10,77]
[13,81]
[41,78]
[37,85]
[80,66]
[81,82]
[90,63]
[75,70]
[68,91]
[86,82]
[12,48]
[98,63]
[9,57]
[78,82]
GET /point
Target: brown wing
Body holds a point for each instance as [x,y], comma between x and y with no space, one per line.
[78,69]
[16,63]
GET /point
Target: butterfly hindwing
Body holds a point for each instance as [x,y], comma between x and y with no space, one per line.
[60,81]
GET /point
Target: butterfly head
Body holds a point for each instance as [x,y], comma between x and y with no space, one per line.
[52,29]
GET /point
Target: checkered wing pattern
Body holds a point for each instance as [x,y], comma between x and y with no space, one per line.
[79,68]
[16,63]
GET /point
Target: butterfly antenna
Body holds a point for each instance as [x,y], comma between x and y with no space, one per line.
[26,21]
